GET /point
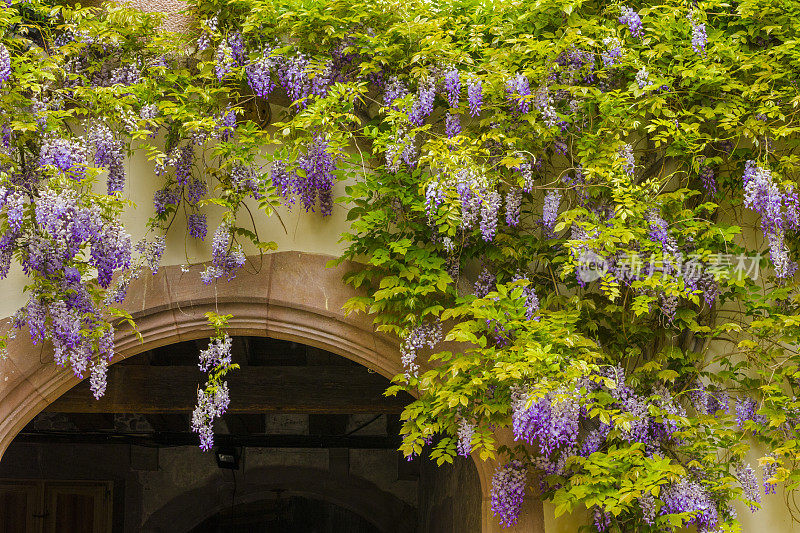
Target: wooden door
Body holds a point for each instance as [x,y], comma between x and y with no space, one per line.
[19,507]
[77,507]
[44,506]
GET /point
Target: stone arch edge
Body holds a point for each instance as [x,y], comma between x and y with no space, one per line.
[170,307]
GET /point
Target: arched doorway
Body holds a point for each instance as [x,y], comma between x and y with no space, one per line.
[292,296]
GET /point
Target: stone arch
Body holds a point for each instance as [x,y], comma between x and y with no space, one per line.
[286,295]
[387,512]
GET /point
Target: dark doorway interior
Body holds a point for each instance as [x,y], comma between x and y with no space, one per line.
[302,420]
[283,514]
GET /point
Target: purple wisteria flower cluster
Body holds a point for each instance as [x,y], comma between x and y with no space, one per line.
[559,424]
[699,36]
[490,208]
[109,154]
[452,86]
[749,483]
[67,157]
[211,404]
[643,78]
[315,179]
[628,159]
[689,496]
[778,208]
[551,421]
[452,125]
[224,60]
[508,491]
[5,65]
[707,177]
[318,164]
[631,19]
[426,334]
[746,411]
[531,299]
[259,74]
[465,431]
[210,27]
[519,91]
[66,234]
[434,196]
[226,257]
[513,206]
[475,95]
[550,212]
[612,52]
[768,471]
[423,103]
[245,180]
[197,225]
[486,283]
[217,354]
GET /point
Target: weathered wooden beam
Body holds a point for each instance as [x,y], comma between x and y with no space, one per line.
[190,439]
[173,389]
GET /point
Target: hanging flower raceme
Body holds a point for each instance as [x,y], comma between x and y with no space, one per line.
[550,211]
[69,234]
[551,421]
[293,77]
[224,61]
[316,181]
[68,157]
[108,154]
[452,86]
[204,41]
[164,198]
[490,208]
[259,75]
[218,353]
[486,283]
[519,90]
[426,334]
[5,65]
[699,37]
[778,210]
[226,258]
[211,405]
[612,52]
[513,205]
[475,95]
[198,227]
[395,89]
[688,496]
[508,492]
[631,19]
[452,124]
[423,104]
[466,430]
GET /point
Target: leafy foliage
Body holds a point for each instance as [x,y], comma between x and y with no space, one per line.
[601,169]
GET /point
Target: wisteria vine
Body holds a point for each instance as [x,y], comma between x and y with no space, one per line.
[570,214]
